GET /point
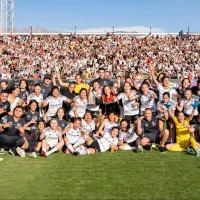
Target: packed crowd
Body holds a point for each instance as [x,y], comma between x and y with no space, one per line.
[34,56]
[83,119]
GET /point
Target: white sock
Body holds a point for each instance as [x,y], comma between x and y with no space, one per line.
[84,152]
[128,148]
[69,146]
[79,142]
[52,151]
[44,149]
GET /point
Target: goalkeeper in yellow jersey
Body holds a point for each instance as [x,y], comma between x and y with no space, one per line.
[184,133]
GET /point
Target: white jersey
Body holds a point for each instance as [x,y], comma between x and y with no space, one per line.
[187,106]
[88,127]
[54,104]
[73,135]
[161,90]
[147,102]
[106,142]
[81,107]
[108,126]
[129,136]
[129,109]
[39,98]
[94,95]
[52,137]
[14,104]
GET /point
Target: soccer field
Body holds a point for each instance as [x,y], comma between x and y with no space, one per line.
[118,175]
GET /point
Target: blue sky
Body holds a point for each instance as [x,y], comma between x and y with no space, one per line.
[94,15]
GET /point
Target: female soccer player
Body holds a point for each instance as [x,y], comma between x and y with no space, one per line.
[79,106]
[52,140]
[55,102]
[183,136]
[127,136]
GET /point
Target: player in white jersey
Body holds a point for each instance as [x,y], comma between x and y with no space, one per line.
[55,101]
[164,87]
[127,136]
[147,99]
[51,139]
[186,105]
[94,98]
[36,95]
[108,141]
[107,125]
[73,136]
[88,124]
[129,100]
[79,106]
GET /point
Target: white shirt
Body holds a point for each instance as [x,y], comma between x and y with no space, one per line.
[129,136]
[54,104]
[81,107]
[187,106]
[128,105]
[88,127]
[147,102]
[107,141]
[161,90]
[51,136]
[108,126]
[73,135]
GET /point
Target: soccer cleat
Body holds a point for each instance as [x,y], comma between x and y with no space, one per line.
[75,153]
[161,149]
[20,152]
[190,150]
[148,147]
[2,151]
[198,152]
[43,153]
[33,155]
[12,152]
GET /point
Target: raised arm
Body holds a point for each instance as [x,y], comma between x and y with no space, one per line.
[60,81]
[152,71]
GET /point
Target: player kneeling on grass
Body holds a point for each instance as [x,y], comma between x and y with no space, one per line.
[127,136]
[51,139]
[73,137]
[108,141]
[184,134]
[147,127]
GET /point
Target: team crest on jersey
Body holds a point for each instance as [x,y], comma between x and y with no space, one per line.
[146,124]
[154,123]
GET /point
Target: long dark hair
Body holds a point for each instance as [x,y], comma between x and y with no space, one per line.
[27,85]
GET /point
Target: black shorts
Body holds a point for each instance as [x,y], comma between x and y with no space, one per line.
[131,118]
[95,114]
[153,137]
[95,145]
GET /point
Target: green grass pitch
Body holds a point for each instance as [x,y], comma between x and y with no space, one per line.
[118,175]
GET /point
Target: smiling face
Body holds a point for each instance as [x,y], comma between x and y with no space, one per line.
[188,94]
[33,106]
[107,90]
[124,125]
[148,114]
[41,126]
[16,92]
[114,132]
[4,97]
[55,92]
[18,112]
[37,90]
[60,113]
[186,83]
[54,124]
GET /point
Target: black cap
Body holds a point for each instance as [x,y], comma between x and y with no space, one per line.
[48,76]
